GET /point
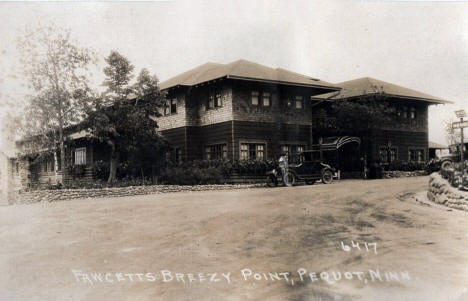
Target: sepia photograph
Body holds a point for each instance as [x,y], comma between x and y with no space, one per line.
[234,150]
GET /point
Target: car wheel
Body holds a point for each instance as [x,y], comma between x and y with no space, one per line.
[446,164]
[272,182]
[289,179]
[310,182]
[327,177]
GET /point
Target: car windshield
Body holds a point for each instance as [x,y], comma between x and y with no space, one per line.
[304,157]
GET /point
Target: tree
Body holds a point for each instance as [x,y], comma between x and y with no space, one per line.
[362,115]
[56,70]
[452,136]
[124,116]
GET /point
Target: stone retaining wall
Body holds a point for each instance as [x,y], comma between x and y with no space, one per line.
[68,194]
[402,174]
[441,192]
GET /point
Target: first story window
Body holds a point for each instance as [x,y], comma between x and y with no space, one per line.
[178,155]
[80,156]
[216,151]
[416,155]
[387,154]
[252,151]
[292,149]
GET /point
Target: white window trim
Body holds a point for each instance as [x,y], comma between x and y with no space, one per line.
[386,148]
[80,149]
[415,148]
[254,142]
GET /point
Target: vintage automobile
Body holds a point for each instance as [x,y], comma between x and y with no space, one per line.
[302,167]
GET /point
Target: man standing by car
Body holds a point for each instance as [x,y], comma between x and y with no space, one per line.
[283,165]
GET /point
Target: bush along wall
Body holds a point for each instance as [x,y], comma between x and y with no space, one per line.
[212,171]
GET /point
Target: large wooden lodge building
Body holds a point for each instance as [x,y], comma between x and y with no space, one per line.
[245,110]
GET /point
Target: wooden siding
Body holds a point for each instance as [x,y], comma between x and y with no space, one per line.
[402,140]
[273,134]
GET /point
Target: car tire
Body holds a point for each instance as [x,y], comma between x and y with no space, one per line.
[272,182]
[289,179]
[446,164]
[327,177]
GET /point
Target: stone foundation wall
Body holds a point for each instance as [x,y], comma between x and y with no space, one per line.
[402,174]
[441,192]
[68,194]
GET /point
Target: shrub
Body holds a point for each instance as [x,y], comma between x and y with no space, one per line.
[76,171]
[101,170]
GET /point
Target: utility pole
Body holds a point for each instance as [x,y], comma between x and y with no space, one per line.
[461,125]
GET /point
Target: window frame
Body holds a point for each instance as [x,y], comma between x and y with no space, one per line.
[253,146]
[83,158]
[412,113]
[292,146]
[417,150]
[173,106]
[388,154]
[217,151]
[298,99]
[266,95]
[218,101]
[255,94]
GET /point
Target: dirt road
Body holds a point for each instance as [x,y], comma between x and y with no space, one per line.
[257,244]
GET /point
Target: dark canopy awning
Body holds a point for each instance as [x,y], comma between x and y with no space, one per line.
[334,143]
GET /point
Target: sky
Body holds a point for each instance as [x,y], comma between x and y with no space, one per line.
[416,44]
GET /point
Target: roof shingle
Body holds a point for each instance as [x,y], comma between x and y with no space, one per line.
[246,70]
[367,86]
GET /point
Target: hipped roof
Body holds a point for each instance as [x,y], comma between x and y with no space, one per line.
[246,70]
[366,86]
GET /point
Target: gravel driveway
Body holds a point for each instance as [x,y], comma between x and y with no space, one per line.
[258,244]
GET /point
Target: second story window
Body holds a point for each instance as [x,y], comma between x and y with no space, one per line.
[255,98]
[173,106]
[170,107]
[266,99]
[405,112]
[298,102]
[218,100]
[211,102]
[167,108]
[413,113]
